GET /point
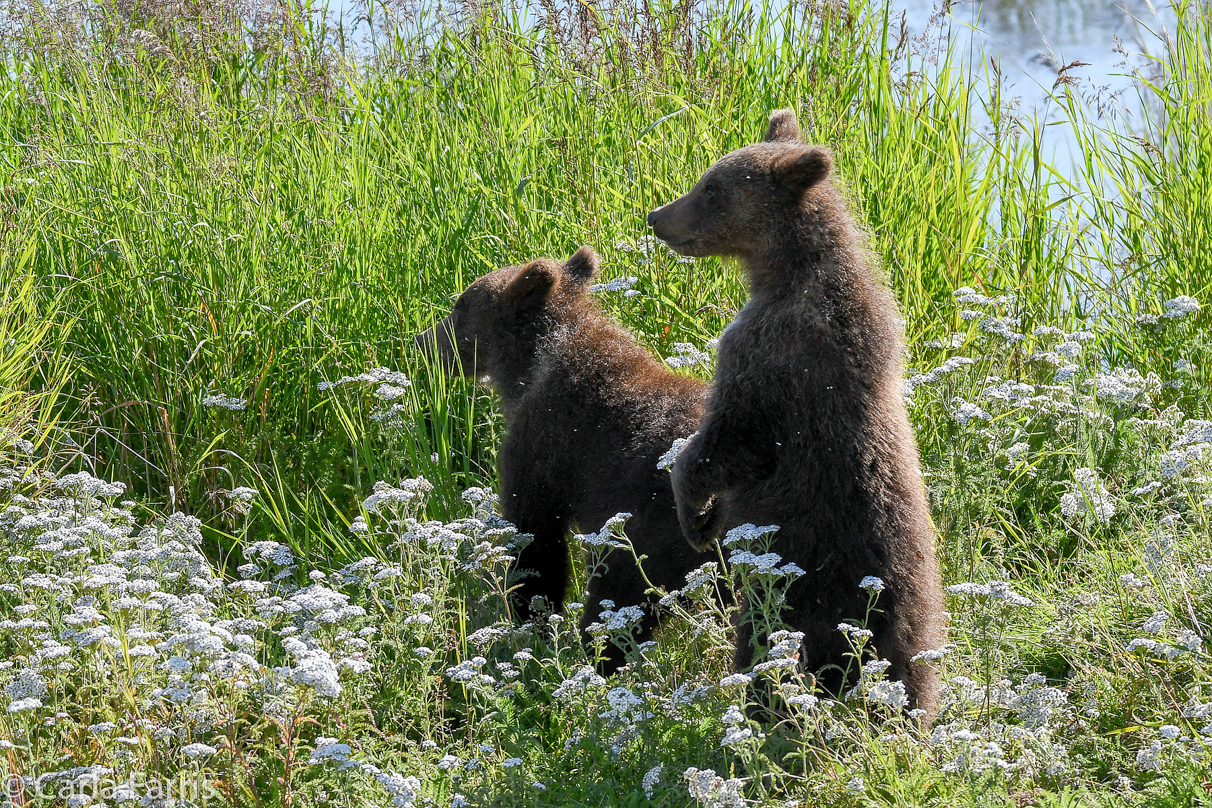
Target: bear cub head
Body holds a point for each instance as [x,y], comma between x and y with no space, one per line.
[729,211]
[498,321]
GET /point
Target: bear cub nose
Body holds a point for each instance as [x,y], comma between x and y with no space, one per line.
[652,217]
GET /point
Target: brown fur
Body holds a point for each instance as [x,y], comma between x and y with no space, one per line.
[805,425]
[588,413]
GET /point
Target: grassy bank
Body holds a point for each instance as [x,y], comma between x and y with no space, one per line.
[219,231]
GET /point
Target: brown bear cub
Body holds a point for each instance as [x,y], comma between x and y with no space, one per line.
[588,414]
[805,425]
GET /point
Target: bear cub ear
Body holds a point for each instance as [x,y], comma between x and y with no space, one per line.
[532,284]
[583,265]
[800,169]
[783,128]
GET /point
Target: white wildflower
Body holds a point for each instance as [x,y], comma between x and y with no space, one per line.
[387,495]
[1088,497]
[652,778]
[1064,373]
[1125,386]
[687,355]
[1131,581]
[24,705]
[713,791]
[890,694]
[197,750]
[950,366]
[1149,759]
[224,402]
[764,564]
[314,668]
[667,460]
[969,296]
[605,537]
[966,411]
[1155,623]
[855,631]
[735,679]
[584,678]
[1180,306]
[736,735]
[616,285]
[994,590]
[747,532]
[872,584]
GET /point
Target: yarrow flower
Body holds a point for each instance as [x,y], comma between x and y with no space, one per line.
[686,355]
[969,296]
[330,750]
[585,677]
[736,735]
[713,791]
[966,411]
[84,484]
[747,532]
[197,750]
[735,679]
[1180,306]
[1149,758]
[605,537]
[1088,497]
[224,402]
[24,705]
[1125,386]
[932,654]
[872,584]
[950,366]
[392,380]
[652,778]
[670,457]
[994,590]
[854,631]
[313,668]
[386,495]
[616,285]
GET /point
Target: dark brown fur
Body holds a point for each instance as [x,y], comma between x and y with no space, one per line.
[588,413]
[805,425]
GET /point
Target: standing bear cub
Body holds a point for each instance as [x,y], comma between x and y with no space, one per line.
[805,425]
[588,414]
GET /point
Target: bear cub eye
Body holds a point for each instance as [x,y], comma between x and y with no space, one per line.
[709,189]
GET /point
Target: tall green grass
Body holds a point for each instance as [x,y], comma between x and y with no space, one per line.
[33,367]
[222,216]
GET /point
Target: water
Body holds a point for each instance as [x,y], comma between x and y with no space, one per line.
[1032,39]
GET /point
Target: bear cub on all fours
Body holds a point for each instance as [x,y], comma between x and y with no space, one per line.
[805,425]
[588,414]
